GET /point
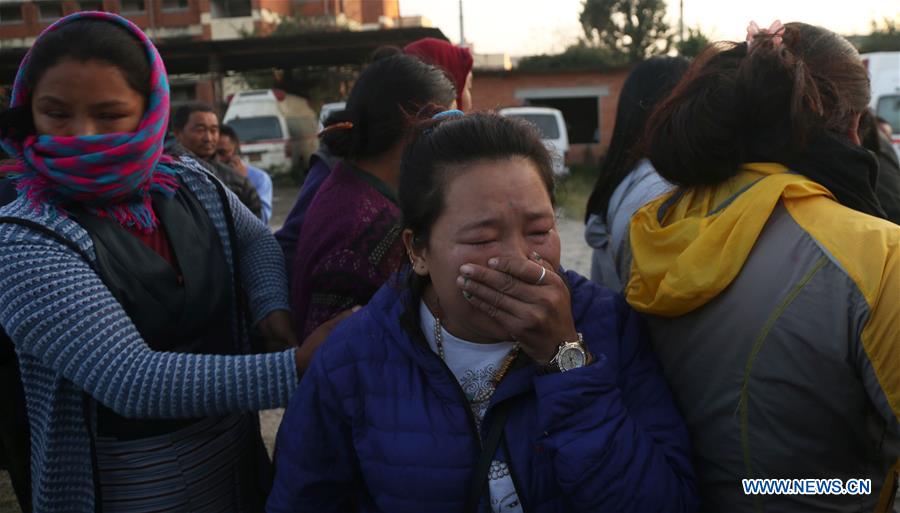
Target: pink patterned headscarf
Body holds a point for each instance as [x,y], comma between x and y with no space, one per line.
[111,175]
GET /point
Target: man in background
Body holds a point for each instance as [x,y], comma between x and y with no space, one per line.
[196,128]
[228,152]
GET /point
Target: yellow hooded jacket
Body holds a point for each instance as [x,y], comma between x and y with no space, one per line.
[776,314]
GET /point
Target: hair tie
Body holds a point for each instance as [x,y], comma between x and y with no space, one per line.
[452,113]
[343,125]
[776,30]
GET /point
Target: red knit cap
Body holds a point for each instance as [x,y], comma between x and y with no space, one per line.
[455,60]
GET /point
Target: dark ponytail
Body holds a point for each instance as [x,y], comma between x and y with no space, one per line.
[735,106]
[386,96]
[649,82]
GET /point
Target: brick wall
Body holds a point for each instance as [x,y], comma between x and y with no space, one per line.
[32,25]
[372,10]
[492,90]
[276,6]
[317,7]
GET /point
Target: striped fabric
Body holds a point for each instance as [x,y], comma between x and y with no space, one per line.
[72,336]
[194,469]
[110,174]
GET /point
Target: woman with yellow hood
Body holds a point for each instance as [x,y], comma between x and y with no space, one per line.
[769,277]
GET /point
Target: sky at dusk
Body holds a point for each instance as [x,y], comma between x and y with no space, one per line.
[526,27]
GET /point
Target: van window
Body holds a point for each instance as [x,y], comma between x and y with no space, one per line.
[545,123]
[257,129]
[889,110]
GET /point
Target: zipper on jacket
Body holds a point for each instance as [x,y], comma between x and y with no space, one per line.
[474,427]
[512,475]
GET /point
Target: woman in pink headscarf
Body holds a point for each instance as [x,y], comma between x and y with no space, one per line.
[455,60]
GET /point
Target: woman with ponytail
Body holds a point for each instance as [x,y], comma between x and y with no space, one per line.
[129,282]
[349,242]
[770,277]
[627,180]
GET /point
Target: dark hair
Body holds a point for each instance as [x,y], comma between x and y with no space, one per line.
[648,83]
[227,131]
[381,104]
[733,106]
[81,40]
[383,52]
[439,150]
[87,39]
[869,134]
[183,113]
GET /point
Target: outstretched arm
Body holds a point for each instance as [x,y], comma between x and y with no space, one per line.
[56,309]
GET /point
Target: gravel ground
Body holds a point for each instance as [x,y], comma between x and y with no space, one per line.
[575,256]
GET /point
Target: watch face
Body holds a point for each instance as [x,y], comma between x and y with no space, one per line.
[571,358]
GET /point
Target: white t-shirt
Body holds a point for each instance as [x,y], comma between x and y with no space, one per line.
[474,365]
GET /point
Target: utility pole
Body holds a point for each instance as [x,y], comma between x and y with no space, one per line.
[151,10]
[681,20]
[462,30]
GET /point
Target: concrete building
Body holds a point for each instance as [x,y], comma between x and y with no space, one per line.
[586,98]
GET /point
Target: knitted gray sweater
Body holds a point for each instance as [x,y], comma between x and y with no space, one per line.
[72,336]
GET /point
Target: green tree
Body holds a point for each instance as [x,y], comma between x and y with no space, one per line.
[695,42]
[318,84]
[577,56]
[300,24]
[635,29]
[885,37]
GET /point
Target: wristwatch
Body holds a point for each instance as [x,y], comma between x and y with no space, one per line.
[570,355]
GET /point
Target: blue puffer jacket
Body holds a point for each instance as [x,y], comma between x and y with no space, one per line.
[379,421]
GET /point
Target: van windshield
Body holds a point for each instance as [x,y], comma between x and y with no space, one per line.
[546,123]
[889,110]
[257,129]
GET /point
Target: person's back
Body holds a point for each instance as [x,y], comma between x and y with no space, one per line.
[608,235]
[321,163]
[778,374]
[626,180]
[771,286]
[349,246]
[349,241]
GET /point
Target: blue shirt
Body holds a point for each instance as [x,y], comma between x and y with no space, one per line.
[260,179]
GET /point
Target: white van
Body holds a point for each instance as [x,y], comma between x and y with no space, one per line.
[329,109]
[552,125]
[277,130]
[884,74]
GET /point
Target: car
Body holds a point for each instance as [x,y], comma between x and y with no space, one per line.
[884,77]
[277,130]
[329,109]
[552,126]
